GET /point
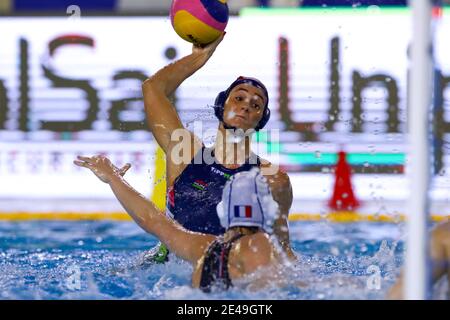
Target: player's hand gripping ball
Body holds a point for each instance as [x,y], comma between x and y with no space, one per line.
[199,21]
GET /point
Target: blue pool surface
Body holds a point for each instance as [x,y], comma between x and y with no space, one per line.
[101,260]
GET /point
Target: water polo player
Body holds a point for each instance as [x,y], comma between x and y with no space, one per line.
[195,187]
[246,212]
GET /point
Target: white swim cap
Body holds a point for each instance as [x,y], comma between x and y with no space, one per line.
[247,202]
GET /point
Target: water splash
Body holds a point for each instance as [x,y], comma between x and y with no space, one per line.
[334,262]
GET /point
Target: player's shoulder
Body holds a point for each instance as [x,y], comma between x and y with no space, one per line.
[256,241]
[256,244]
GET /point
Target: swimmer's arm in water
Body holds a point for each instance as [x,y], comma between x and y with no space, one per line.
[439,259]
[162,116]
[185,244]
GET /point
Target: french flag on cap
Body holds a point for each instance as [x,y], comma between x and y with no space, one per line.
[242,211]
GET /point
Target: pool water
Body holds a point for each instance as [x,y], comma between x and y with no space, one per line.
[101,260]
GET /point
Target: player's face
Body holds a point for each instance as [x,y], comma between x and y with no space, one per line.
[244,106]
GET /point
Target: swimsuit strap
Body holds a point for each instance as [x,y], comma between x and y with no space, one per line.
[215,265]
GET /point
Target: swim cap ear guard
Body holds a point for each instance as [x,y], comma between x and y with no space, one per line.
[247,202]
[219,103]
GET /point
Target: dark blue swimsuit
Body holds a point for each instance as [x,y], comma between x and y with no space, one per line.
[193,198]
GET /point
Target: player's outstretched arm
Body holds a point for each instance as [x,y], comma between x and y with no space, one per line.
[162,117]
[187,245]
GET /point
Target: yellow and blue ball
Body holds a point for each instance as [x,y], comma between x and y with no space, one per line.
[199,21]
